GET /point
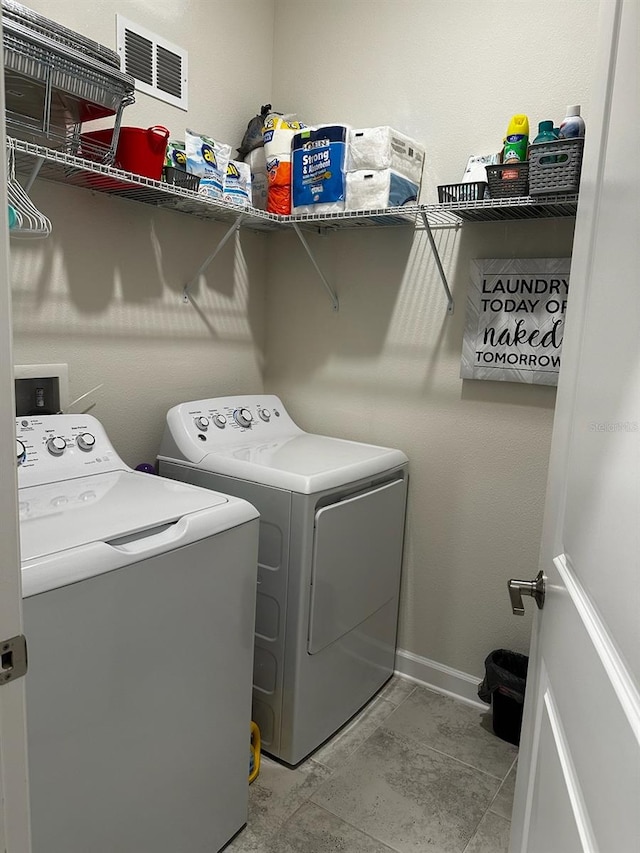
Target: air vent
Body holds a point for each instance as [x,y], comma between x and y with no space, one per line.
[158,67]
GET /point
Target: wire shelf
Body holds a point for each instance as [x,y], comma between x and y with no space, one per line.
[522,207]
[74,171]
[69,169]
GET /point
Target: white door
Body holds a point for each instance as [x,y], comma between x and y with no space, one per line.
[578,786]
[14,802]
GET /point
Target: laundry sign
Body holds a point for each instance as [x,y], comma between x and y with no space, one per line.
[515,319]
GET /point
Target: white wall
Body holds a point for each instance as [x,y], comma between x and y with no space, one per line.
[103,293]
[385,369]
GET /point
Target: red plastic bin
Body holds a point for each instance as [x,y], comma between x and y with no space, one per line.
[140,150]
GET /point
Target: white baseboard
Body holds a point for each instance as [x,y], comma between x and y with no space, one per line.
[439,677]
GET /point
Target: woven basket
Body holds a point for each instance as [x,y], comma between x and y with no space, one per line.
[508,187]
[554,167]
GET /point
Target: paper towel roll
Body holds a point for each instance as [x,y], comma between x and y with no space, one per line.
[317,174]
[277,133]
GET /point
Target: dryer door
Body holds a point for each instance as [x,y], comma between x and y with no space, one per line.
[357,556]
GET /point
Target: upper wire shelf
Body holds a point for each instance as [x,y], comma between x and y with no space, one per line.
[66,168]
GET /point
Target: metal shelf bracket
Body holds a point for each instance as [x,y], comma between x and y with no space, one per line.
[235,227]
[328,288]
[436,255]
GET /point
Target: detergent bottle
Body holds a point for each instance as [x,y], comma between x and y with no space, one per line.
[545,133]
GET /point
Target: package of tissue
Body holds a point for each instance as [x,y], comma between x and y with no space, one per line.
[317,169]
[237,183]
[278,133]
[257,162]
[379,188]
[207,158]
[385,148]
[476,167]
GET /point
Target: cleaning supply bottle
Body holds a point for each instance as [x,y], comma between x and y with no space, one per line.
[545,133]
[572,125]
[515,145]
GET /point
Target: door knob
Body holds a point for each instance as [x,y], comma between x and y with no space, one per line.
[519,588]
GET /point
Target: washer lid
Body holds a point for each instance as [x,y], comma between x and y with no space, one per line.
[71,513]
[303,463]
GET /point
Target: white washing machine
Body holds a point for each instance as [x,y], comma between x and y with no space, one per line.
[139,608]
[331,535]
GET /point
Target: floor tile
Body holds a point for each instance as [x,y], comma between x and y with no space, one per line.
[408,796]
[314,830]
[492,835]
[453,728]
[396,690]
[275,795]
[503,803]
[334,753]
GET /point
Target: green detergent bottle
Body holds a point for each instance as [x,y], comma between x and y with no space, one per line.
[545,133]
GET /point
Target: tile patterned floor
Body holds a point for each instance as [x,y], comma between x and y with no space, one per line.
[414,772]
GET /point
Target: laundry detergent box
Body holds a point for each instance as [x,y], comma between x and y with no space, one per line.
[317,169]
[207,158]
[237,183]
[385,148]
[375,189]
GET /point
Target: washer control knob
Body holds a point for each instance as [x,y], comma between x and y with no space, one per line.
[220,421]
[202,423]
[243,417]
[265,414]
[21,452]
[86,441]
[56,446]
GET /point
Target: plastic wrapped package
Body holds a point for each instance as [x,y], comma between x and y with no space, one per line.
[257,162]
[318,160]
[379,188]
[207,158]
[237,183]
[278,132]
[385,148]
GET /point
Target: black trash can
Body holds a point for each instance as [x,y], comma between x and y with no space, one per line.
[503,687]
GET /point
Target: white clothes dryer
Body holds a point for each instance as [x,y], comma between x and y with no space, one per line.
[331,536]
[139,607]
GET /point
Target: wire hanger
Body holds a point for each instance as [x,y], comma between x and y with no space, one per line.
[28,221]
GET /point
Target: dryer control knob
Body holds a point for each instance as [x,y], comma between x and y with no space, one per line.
[86,441]
[56,446]
[202,424]
[220,421]
[243,417]
[21,452]
[265,414]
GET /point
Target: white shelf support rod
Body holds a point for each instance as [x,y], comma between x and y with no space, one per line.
[436,256]
[34,173]
[225,239]
[328,288]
